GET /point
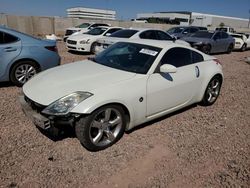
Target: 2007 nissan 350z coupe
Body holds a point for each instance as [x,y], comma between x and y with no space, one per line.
[127,84]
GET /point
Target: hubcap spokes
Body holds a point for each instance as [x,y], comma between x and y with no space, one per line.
[105,127]
[24,72]
[213,90]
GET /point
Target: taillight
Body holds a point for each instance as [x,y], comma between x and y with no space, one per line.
[51,48]
[217,61]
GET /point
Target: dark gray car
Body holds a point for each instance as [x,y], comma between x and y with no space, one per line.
[183,31]
[211,41]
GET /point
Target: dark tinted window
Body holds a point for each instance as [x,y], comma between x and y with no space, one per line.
[6,38]
[203,34]
[125,33]
[97,25]
[175,30]
[163,36]
[148,35]
[224,35]
[193,30]
[178,57]
[217,36]
[112,30]
[196,57]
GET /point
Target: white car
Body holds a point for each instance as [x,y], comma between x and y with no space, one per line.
[82,28]
[135,33]
[242,41]
[126,85]
[87,42]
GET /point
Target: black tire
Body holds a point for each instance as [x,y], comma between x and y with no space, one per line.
[243,48]
[92,49]
[206,101]
[85,130]
[206,49]
[15,73]
[230,48]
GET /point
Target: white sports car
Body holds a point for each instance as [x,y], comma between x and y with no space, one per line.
[242,41]
[135,33]
[87,42]
[126,85]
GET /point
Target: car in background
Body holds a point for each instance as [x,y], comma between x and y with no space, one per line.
[135,33]
[228,30]
[126,85]
[182,31]
[211,41]
[22,56]
[87,42]
[242,41]
[82,28]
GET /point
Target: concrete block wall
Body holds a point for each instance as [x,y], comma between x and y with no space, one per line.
[41,26]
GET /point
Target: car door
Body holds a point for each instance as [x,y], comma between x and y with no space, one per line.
[166,91]
[218,43]
[10,48]
[225,41]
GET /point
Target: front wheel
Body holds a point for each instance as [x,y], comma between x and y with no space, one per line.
[102,128]
[230,48]
[243,48]
[212,92]
[22,71]
[206,49]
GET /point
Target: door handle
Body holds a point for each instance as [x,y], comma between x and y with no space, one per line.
[197,71]
[10,49]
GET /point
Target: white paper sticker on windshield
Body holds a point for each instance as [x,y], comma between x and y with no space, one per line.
[149,52]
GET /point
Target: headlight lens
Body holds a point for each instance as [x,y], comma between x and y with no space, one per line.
[84,41]
[65,104]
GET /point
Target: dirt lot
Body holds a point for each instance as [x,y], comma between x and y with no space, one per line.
[196,147]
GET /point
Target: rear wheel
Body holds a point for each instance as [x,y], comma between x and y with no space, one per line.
[101,129]
[212,92]
[230,48]
[22,71]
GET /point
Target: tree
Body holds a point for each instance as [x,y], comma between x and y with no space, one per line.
[222,24]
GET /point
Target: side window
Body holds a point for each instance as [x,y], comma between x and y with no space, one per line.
[163,36]
[178,57]
[193,30]
[6,38]
[217,36]
[196,57]
[224,35]
[112,31]
[148,35]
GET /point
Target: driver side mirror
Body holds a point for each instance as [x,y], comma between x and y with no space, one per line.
[167,68]
[108,34]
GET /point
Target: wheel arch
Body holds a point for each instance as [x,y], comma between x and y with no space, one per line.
[24,59]
[206,84]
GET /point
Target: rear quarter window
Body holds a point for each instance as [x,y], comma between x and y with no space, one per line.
[197,57]
[6,38]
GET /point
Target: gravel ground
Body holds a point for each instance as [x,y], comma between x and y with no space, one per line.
[195,147]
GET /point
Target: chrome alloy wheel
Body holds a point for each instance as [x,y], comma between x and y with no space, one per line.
[105,127]
[213,90]
[24,72]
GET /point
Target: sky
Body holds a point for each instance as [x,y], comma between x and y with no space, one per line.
[126,9]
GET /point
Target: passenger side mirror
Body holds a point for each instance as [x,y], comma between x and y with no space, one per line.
[167,68]
[108,34]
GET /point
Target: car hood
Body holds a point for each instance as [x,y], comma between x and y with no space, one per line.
[50,85]
[196,39]
[77,37]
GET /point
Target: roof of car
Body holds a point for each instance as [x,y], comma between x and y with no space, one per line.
[156,43]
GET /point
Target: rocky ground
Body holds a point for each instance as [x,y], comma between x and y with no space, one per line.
[195,147]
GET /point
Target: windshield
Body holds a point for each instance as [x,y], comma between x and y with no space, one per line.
[175,30]
[125,33]
[83,25]
[203,34]
[97,31]
[221,29]
[130,57]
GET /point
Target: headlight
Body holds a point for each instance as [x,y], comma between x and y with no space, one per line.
[65,104]
[198,43]
[84,41]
